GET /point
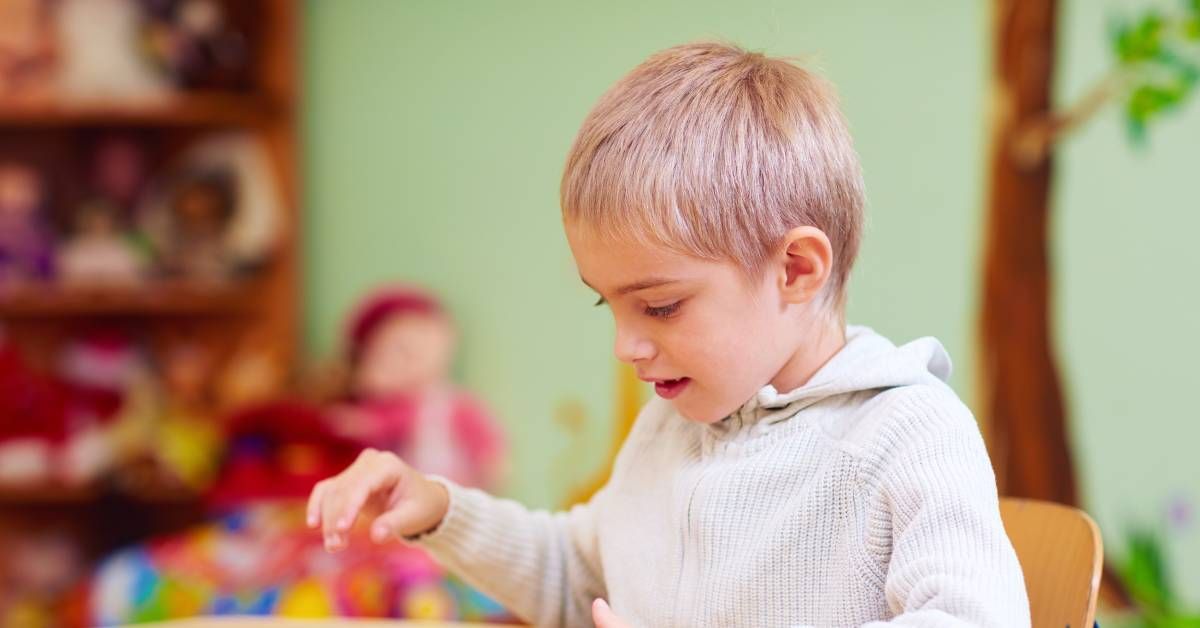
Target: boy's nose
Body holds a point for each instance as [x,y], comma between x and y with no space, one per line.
[631,347]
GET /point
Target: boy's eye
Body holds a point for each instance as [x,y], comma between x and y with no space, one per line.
[665,311]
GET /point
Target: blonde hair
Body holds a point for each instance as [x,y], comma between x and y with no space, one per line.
[716,152]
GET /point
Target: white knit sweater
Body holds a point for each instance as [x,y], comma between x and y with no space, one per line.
[864,498]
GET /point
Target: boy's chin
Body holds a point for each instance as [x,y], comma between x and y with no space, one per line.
[696,415]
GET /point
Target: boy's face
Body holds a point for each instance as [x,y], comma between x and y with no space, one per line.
[706,336]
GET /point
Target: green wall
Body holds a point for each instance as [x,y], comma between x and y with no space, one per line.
[435,134]
[1126,233]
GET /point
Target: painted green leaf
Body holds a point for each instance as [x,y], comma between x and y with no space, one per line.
[1139,41]
[1183,67]
[1191,30]
[1145,574]
[1178,621]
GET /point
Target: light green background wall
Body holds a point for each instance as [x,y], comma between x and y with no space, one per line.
[1126,233]
[434,138]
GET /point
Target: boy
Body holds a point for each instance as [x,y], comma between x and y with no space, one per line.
[795,471]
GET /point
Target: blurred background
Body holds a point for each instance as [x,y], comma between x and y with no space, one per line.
[241,240]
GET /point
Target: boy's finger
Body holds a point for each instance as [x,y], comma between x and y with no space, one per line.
[604,617]
[333,540]
[349,510]
[313,517]
[340,513]
[332,510]
[378,481]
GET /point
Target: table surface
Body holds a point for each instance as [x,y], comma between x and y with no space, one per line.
[281,622]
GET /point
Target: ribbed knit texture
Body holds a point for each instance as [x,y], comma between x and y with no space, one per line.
[864,498]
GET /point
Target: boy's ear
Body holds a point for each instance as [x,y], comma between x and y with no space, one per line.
[807,261]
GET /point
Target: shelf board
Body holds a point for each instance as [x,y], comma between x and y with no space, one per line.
[49,494]
[191,109]
[150,299]
[57,494]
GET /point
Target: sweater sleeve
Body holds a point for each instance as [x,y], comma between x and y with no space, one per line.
[543,567]
[951,564]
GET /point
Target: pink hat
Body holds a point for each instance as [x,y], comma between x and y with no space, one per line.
[383,304]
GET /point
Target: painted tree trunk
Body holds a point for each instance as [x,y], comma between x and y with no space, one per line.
[1021,398]
[1022,406]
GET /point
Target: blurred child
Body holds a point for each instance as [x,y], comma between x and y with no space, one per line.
[794,471]
[401,343]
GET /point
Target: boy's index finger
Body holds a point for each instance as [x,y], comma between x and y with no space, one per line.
[377,480]
[313,516]
[353,505]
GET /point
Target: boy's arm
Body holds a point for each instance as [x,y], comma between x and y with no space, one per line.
[951,563]
[544,567]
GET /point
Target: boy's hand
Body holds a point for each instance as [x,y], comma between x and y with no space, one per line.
[604,617]
[377,485]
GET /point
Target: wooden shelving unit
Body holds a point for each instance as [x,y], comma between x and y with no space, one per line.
[263,308]
[266,304]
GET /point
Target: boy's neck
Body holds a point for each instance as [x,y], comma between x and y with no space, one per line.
[821,342]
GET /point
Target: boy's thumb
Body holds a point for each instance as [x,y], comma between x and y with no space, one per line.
[400,521]
[602,615]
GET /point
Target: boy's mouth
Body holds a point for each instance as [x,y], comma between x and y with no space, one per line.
[671,388]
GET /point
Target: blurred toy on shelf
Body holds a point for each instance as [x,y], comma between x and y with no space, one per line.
[212,215]
[253,373]
[108,412]
[163,440]
[110,382]
[55,426]
[188,437]
[99,55]
[25,245]
[26,49]
[98,252]
[41,566]
[33,419]
[277,450]
[400,346]
[119,172]
[102,247]
[201,211]
[196,44]
[217,215]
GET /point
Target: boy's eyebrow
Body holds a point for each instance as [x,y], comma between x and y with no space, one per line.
[645,284]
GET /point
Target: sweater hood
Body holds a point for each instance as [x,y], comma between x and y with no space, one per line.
[867,362]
